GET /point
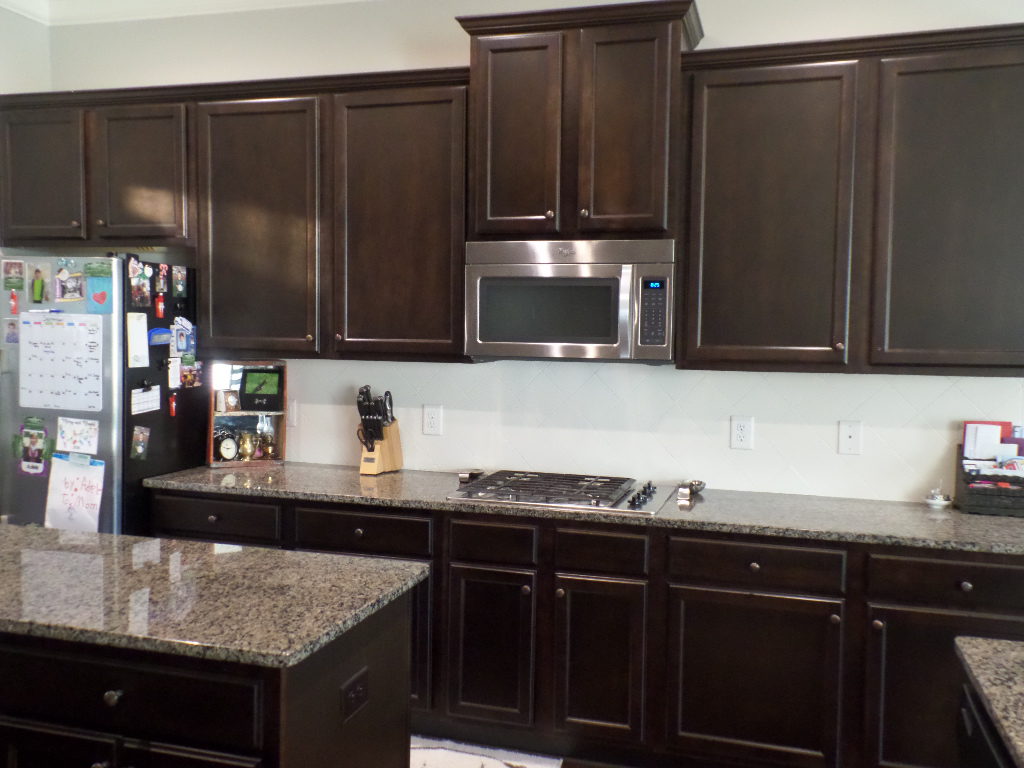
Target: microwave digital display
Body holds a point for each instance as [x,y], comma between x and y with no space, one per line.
[656,284]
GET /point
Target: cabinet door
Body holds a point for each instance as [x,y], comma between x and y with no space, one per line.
[625,77]
[44,747]
[259,164]
[492,613]
[600,643]
[516,132]
[42,180]
[914,680]
[949,225]
[770,216]
[754,676]
[162,756]
[137,177]
[399,213]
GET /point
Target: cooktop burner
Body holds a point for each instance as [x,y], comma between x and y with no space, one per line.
[549,489]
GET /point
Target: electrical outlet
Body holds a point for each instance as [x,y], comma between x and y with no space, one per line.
[741,432]
[433,420]
[850,437]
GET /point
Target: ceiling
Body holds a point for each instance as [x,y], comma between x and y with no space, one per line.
[65,12]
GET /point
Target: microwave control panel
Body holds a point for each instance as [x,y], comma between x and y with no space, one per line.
[653,311]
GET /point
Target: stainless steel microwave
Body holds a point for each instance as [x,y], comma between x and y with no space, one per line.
[573,299]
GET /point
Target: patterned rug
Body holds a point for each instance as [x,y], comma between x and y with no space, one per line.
[435,753]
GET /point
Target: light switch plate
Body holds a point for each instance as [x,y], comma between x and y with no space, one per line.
[851,437]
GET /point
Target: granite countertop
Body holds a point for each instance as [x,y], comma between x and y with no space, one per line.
[996,670]
[249,605]
[744,512]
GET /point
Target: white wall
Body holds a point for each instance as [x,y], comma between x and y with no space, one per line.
[24,54]
[625,419]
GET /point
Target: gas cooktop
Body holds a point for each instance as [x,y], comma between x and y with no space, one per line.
[602,493]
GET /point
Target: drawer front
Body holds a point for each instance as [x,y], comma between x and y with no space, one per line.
[598,552]
[759,566]
[502,543]
[134,700]
[950,583]
[217,520]
[329,529]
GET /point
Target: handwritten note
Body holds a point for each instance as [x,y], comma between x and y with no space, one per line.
[74,493]
[61,362]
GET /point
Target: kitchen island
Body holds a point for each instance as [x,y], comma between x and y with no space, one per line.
[995,670]
[157,653]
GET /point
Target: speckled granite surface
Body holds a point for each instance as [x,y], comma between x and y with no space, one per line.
[996,669]
[765,514]
[241,604]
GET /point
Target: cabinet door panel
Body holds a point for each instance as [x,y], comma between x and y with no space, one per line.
[770,220]
[600,642]
[138,171]
[949,204]
[625,72]
[491,644]
[42,180]
[516,114]
[914,681]
[259,206]
[754,676]
[400,183]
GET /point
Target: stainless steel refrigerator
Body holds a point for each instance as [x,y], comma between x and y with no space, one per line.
[99,387]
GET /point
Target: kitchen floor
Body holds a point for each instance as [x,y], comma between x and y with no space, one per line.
[437,753]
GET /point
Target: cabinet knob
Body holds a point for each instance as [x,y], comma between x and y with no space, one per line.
[338,337]
[111,698]
[76,223]
[309,337]
[839,346]
[584,212]
[212,519]
[359,533]
[755,567]
[526,589]
[835,618]
[549,214]
[878,624]
[104,764]
[559,592]
[966,586]
[100,222]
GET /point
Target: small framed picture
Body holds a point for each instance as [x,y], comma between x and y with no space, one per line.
[228,401]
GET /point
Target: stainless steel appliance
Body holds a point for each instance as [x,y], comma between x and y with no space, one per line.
[575,299]
[581,492]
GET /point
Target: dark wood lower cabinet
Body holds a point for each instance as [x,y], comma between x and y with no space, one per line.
[600,644]
[491,648]
[157,756]
[754,676]
[44,747]
[914,681]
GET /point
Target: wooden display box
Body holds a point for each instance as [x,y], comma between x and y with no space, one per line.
[240,435]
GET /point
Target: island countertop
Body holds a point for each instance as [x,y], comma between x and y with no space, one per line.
[741,512]
[996,670]
[249,605]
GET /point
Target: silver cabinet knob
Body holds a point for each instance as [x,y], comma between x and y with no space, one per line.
[100,222]
[309,337]
[111,698]
[526,589]
[878,624]
[104,764]
[549,214]
[338,337]
[76,223]
[835,618]
[584,212]
[212,519]
[755,567]
[839,346]
[359,533]
[966,586]
[559,592]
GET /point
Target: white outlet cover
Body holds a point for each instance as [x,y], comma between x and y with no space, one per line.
[741,433]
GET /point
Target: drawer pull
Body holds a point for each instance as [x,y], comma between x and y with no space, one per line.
[526,589]
[755,567]
[212,519]
[878,624]
[358,533]
[100,223]
[104,764]
[559,592]
[966,586]
[549,214]
[835,618]
[76,223]
[111,698]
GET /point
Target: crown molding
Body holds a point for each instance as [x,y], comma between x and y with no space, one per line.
[37,10]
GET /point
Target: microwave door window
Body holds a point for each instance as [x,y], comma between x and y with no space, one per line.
[549,310]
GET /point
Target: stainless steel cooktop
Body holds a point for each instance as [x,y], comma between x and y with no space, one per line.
[549,489]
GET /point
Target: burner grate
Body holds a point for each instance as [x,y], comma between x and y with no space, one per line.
[548,488]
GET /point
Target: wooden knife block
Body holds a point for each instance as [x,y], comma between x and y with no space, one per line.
[386,455]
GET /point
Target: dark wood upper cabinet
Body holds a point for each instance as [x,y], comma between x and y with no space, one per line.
[571,117]
[399,221]
[259,249]
[43,175]
[137,180]
[772,175]
[949,201]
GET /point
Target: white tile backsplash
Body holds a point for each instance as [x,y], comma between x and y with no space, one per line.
[658,422]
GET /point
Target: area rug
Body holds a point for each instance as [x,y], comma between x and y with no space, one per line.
[436,753]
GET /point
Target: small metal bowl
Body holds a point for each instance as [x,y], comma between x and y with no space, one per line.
[696,486]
